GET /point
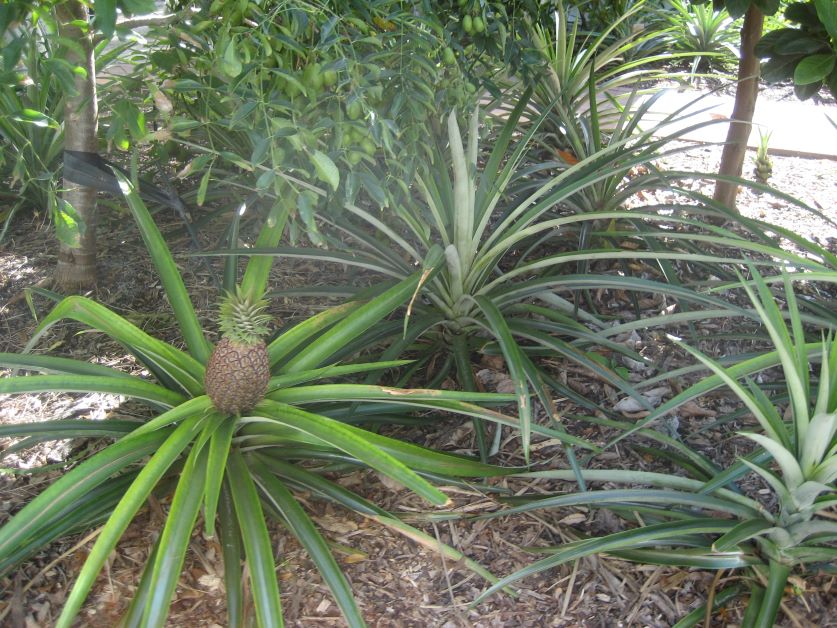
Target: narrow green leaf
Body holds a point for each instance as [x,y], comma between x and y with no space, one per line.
[134,388]
[176,292]
[175,538]
[413,456]
[511,352]
[744,531]
[292,339]
[219,449]
[254,282]
[335,370]
[352,441]
[73,485]
[55,364]
[230,538]
[180,366]
[352,326]
[257,546]
[125,511]
[303,528]
[613,542]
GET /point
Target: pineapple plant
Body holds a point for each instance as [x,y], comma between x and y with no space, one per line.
[238,370]
[764,165]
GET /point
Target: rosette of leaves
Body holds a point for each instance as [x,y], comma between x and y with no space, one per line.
[486,222]
[231,470]
[706,31]
[805,53]
[707,521]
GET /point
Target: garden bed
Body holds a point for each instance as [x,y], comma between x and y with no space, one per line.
[396,581]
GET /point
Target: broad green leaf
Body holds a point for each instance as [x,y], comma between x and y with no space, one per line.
[203,186]
[827,13]
[69,225]
[105,18]
[230,62]
[326,171]
[814,68]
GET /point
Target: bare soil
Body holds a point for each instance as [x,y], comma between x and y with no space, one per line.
[397,582]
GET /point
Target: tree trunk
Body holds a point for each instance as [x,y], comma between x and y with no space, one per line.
[732,159]
[76,269]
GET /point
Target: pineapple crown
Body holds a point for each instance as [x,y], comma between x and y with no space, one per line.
[242,317]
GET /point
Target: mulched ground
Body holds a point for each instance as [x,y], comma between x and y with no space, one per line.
[396,581]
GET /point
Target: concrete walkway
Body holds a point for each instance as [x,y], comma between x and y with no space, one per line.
[796,127]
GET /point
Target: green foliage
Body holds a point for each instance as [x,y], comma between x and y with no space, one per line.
[711,35]
[702,523]
[486,222]
[233,470]
[805,52]
[330,93]
[35,81]
[31,139]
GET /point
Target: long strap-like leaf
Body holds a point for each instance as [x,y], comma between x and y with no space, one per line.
[125,511]
[180,366]
[170,276]
[133,387]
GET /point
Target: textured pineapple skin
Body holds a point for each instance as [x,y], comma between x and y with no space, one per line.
[237,375]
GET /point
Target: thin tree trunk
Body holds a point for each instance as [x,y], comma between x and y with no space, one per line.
[76,267]
[732,159]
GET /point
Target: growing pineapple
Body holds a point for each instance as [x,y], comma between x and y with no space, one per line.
[764,166]
[238,370]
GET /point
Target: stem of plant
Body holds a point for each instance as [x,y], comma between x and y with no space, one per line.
[732,158]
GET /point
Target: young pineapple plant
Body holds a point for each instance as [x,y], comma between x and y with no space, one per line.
[238,370]
[763,163]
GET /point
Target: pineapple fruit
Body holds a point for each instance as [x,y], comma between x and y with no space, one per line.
[238,370]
